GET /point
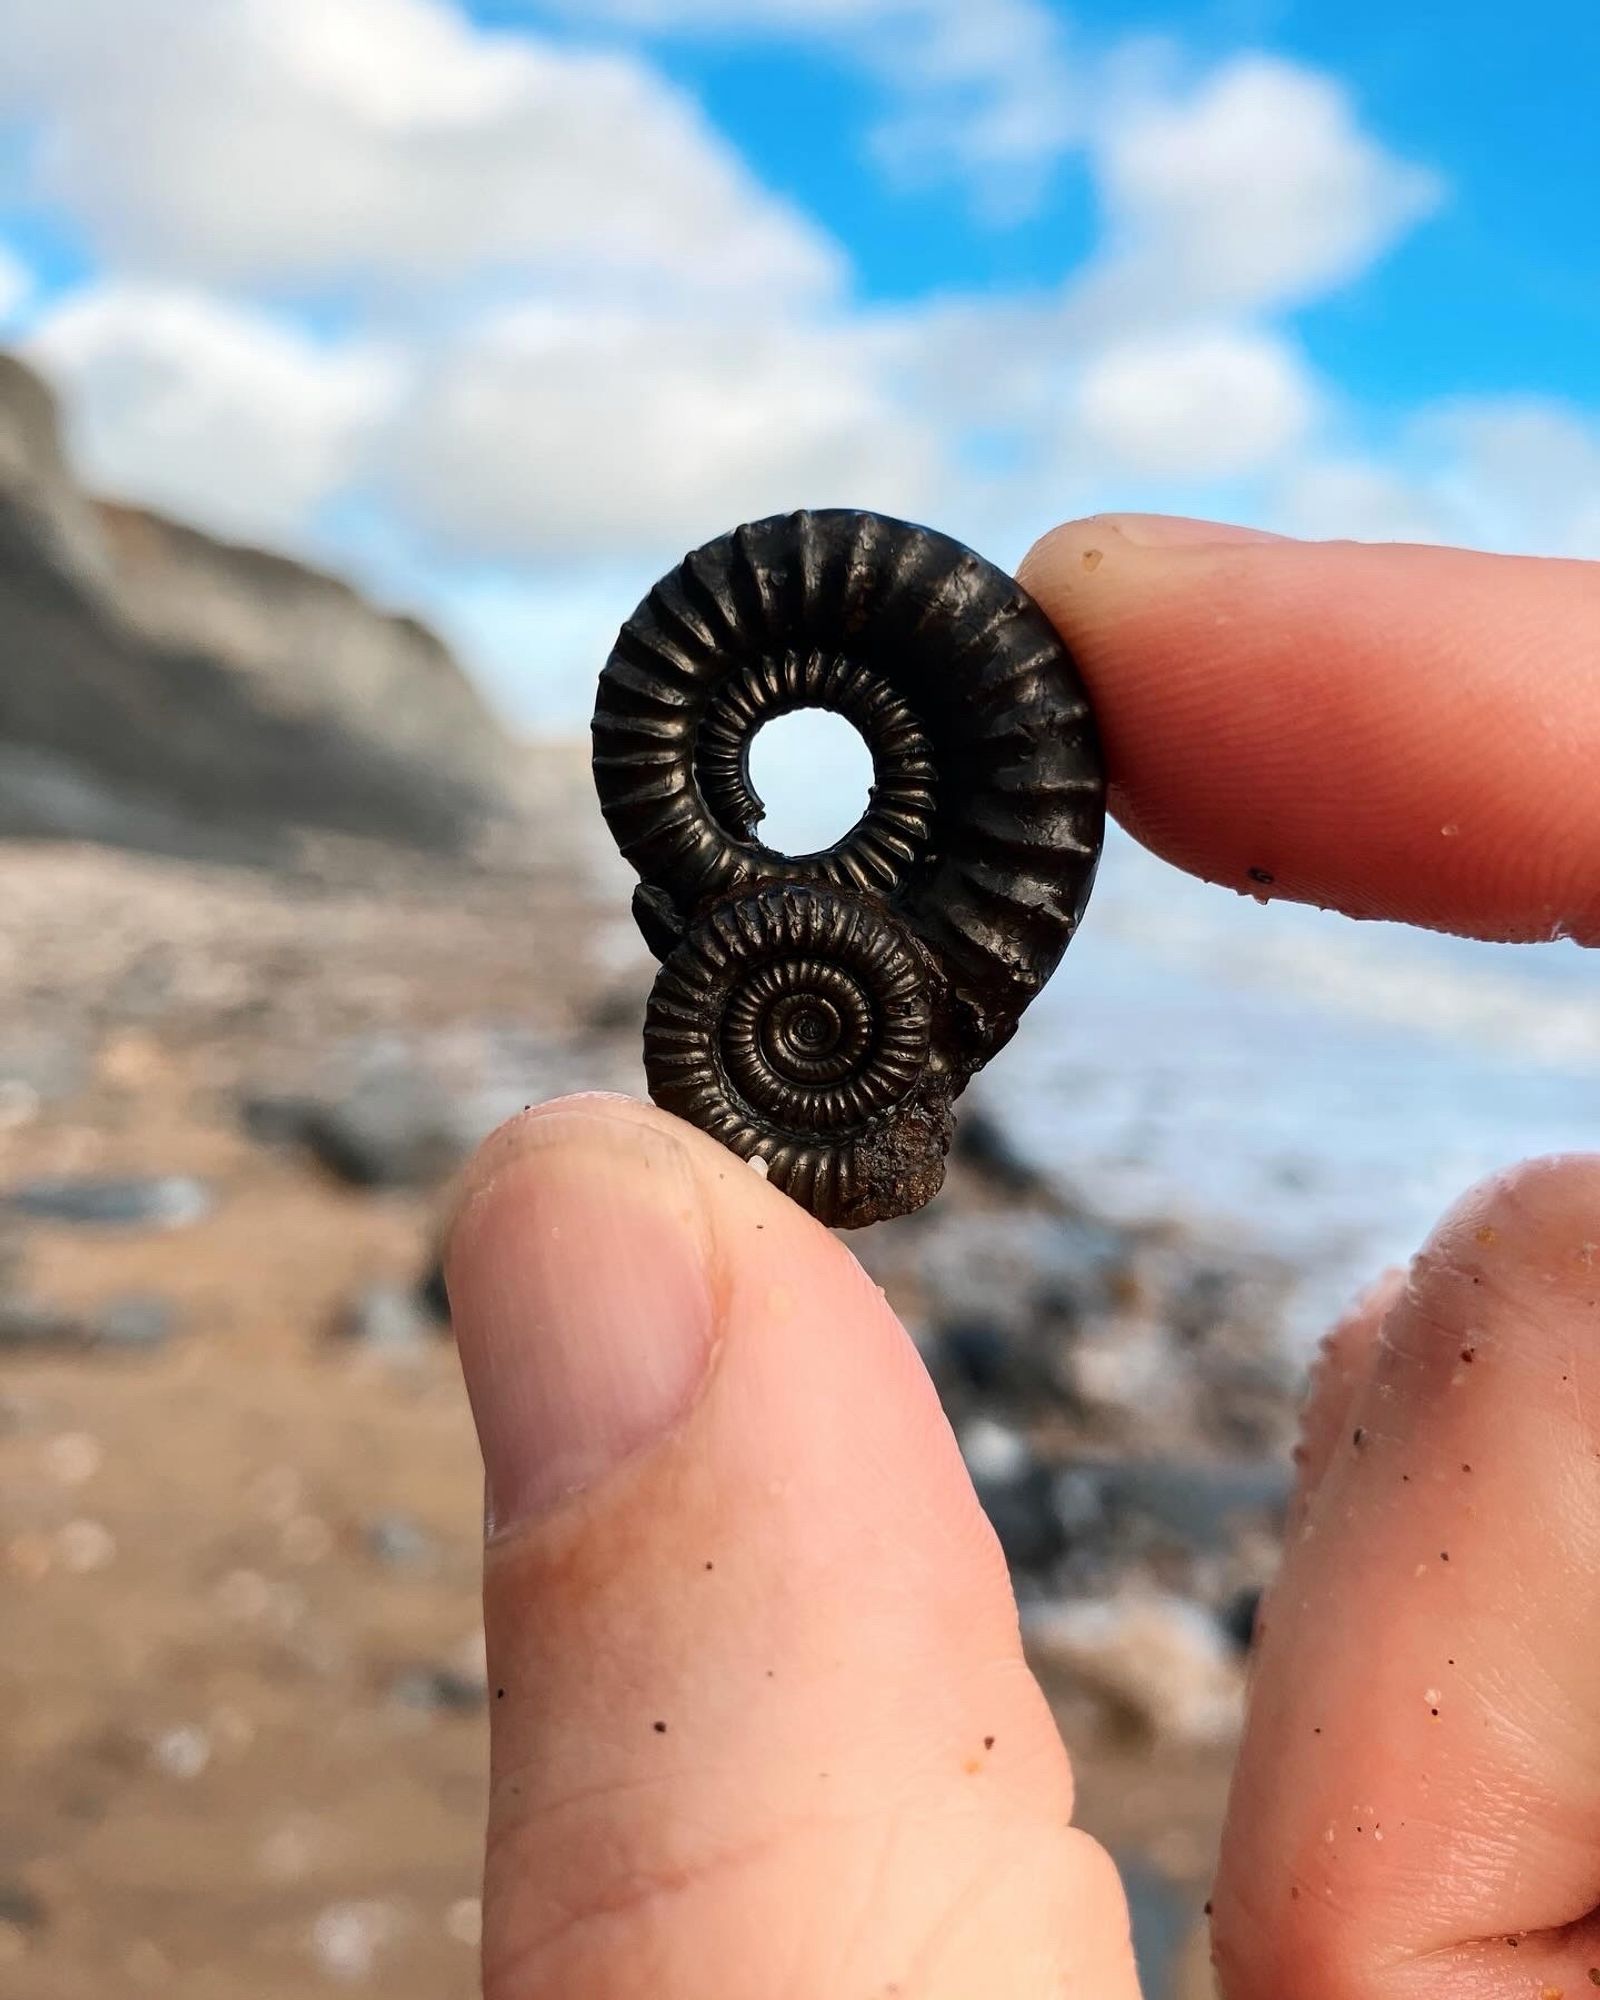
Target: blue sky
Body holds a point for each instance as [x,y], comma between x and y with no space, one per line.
[1501,291]
[500,307]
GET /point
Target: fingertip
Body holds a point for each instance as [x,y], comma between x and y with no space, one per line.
[749,1581]
[1543,1204]
[1079,547]
[1397,732]
[585,1300]
[576,1120]
[1527,1238]
[508,1142]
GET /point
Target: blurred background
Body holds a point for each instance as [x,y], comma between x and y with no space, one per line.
[361,364]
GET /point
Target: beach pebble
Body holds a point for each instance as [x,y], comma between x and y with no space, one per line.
[40,1065]
[1153,1658]
[22,1919]
[463,1921]
[1240,1615]
[20,1104]
[306,1541]
[348,1939]
[73,1458]
[29,1326]
[231,1729]
[182,1753]
[437,1691]
[165,1202]
[470,1659]
[132,1323]
[1014,1490]
[244,1594]
[290,1850]
[433,1293]
[139,1320]
[388,1319]
[148,1965]
[30,1557]
[398,1542]
[982,1143]
[277,1493]
[994,1453]
[85,1547]
[395,1128]
[20,1907]
[977,1359]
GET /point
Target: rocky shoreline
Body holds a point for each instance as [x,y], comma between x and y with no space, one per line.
[167,691]
[237,1483]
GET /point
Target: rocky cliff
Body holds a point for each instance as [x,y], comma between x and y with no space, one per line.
[161,689]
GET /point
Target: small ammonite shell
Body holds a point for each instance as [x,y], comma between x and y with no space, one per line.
[820,1012]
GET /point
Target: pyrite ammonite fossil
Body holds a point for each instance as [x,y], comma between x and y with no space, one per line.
[820,1012]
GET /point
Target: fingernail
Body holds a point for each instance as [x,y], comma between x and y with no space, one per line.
[1175,531]
[581,1295]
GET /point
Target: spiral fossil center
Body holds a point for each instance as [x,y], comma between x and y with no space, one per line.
[812,1027]
[795,1020]
[801,1023]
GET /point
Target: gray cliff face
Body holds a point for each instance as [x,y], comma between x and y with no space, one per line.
[36,480]
[162,689]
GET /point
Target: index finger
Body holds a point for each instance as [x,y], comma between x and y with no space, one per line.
[1410,733]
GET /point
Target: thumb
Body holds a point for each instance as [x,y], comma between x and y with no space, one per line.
[761,1721]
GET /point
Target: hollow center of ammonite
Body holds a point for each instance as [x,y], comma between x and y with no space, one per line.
[811,771]
[850,800]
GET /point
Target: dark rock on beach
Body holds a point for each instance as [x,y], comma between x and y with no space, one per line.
[392,1130]
[28,1326]
[983,1144]
[128,1324]
[163,1202]
[387,1319]
[438,1691]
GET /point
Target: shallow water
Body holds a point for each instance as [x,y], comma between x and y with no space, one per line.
[1328,1087]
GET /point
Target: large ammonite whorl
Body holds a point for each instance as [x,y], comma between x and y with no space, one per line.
[819,1012]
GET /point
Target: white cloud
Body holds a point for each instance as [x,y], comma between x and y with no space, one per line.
[982,90]
[558,432]
[16,284]
[1210,404]
[615,343]
[1524,471]
[1256,191]
[1519,474]
[1354,499]
[724,16]
[222,416]
[985,89]
[313,140]
[1254,187]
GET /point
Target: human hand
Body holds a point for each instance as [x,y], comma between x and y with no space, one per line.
[762,1725]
